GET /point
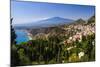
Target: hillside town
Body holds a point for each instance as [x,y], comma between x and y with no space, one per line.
[79,30]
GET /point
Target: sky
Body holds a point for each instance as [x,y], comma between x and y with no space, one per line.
[26,12]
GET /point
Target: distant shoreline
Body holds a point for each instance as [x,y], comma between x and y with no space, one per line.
[29,35]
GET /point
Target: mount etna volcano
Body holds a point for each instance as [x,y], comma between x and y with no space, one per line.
[50,22]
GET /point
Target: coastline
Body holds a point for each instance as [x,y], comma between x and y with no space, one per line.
[23,36]
[29,35]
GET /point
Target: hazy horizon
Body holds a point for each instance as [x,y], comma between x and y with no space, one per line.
[25,12]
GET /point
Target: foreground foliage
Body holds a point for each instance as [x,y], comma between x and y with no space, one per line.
[52,51]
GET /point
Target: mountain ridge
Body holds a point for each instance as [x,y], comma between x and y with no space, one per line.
[53,21]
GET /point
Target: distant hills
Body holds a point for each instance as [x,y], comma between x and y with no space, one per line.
[79,21]
[60,29]
[50,22]
[91,19]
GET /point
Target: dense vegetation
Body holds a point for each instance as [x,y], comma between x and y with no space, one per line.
[53,49]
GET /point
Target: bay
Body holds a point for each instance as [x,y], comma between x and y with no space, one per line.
[21,36]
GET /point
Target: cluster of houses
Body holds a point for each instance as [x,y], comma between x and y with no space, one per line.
[79,31]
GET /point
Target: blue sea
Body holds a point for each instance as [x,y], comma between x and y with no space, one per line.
[21,36]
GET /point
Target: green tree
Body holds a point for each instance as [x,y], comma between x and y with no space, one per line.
[14,55]
[13,35]
[24,60]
